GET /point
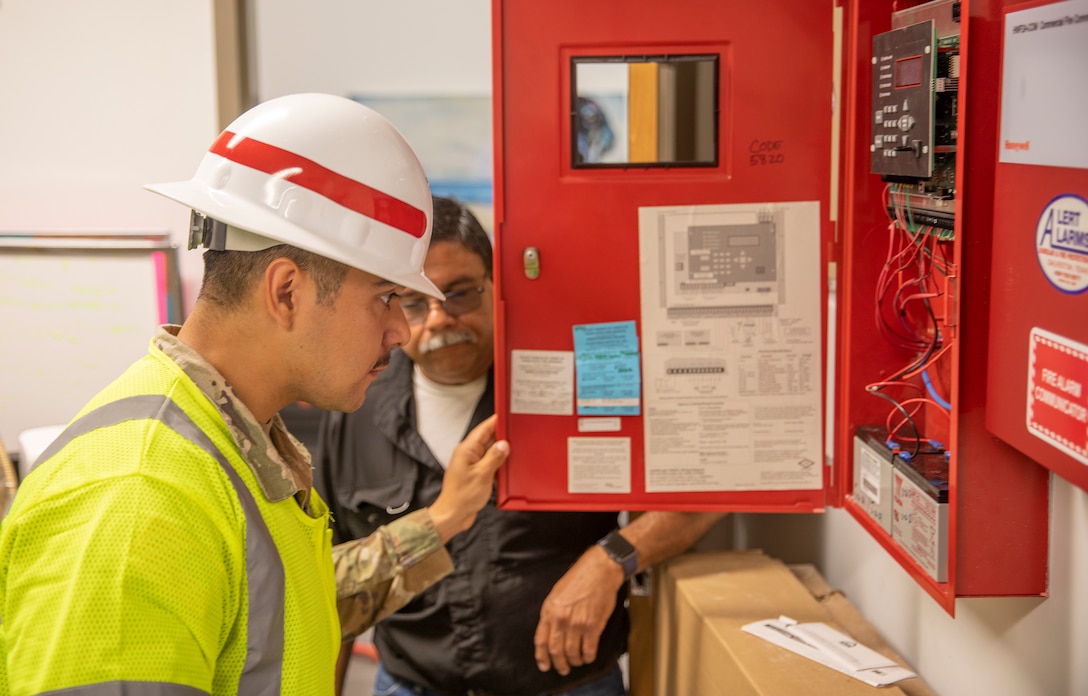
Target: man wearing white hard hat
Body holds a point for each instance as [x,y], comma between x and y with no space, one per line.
[170,541]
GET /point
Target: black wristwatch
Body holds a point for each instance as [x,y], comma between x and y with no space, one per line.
[621,551]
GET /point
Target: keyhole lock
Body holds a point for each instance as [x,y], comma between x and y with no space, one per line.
[531,259]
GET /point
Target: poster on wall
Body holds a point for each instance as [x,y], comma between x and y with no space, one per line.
[79,308]
[731,347]
[452,137]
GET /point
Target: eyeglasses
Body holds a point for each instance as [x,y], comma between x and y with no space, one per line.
[457,302]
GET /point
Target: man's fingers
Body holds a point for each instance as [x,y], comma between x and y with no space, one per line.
[560,646]
[589,646]
[558,652]
[540,647]
[582,639]
[550,648]
[482,436]
[480,449]
[495,456]
[573,649]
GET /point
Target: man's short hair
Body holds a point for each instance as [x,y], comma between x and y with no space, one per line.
[454,222]
[229,275]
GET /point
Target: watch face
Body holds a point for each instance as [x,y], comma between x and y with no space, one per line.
[621,551]
[617,547]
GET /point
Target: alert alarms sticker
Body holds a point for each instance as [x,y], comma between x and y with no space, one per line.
[1061,243]
[1057,408]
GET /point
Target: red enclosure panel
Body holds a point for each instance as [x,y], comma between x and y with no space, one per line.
[996,503]
[581,226]
[1038,382]
[575,256]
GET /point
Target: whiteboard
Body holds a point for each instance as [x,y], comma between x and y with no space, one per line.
[74,313]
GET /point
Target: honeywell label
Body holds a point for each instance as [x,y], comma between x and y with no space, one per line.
[1057,409]
[1043,99]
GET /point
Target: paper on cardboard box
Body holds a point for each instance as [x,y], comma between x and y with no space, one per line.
[821,643]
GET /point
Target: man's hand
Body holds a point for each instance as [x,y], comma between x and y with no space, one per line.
[466,486]
[576,611]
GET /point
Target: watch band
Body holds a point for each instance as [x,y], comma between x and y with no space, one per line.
[621,551]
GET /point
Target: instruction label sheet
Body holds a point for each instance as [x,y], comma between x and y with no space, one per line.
[732,346]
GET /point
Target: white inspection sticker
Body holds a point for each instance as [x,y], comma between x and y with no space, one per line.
[599,465]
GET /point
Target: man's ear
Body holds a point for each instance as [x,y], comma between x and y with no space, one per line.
[281,286]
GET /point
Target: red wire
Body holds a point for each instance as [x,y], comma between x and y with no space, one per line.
[892,431]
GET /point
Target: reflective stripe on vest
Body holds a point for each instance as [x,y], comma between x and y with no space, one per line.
[129,688]
[265,582]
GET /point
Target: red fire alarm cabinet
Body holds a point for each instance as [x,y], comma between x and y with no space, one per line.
[1037,396]
[679,188]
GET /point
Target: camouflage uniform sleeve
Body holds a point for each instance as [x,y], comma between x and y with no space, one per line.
[377,575]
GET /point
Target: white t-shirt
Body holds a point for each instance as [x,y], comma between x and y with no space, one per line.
[443,412]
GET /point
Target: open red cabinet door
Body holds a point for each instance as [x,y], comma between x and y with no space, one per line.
[668,204]
[974,525]
[661,167]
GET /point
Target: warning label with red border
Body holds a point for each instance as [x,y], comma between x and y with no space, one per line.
[1057,409]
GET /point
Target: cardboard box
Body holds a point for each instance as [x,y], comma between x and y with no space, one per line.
[703,599]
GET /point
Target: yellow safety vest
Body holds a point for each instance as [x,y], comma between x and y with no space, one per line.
[140,556]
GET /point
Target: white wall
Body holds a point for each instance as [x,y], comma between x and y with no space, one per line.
[98,97]
[389,47]
[999,646]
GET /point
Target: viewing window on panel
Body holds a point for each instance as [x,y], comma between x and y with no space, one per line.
[648,111]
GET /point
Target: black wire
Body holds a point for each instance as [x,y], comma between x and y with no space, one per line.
[909,419]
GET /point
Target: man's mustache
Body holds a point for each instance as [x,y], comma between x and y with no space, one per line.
[448,338]
[383,362]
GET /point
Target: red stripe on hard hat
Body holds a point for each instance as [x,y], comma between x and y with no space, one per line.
[349,193]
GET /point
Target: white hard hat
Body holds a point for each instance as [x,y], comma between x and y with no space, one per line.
[319,172]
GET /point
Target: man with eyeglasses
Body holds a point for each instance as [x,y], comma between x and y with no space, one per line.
[534,605]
